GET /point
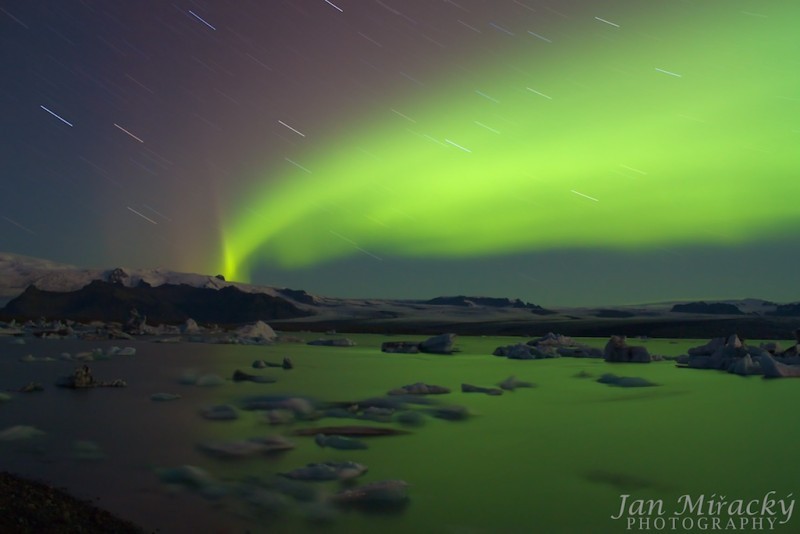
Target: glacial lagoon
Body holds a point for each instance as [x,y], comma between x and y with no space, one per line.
[553,458]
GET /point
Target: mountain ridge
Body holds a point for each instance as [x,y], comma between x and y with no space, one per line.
[40,288]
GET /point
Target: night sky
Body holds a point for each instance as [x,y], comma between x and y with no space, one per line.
[564,152]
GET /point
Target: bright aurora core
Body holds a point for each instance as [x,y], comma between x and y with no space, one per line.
[664,127]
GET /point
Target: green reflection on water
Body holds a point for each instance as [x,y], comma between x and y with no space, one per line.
[550,459]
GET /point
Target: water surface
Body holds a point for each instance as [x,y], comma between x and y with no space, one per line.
[555,458]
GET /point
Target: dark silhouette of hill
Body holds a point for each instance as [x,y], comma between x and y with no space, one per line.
[613,314]
[163,304]
[491,302]
[713,308]
[786,310]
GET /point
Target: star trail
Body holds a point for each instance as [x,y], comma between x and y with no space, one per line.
[567,152]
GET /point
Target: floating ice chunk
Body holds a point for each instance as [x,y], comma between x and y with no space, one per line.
[209,380]
[220,412]
[162,397]
[339,442]
[87,450]
[21,433]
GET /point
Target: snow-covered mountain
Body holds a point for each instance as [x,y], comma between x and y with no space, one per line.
[297,309]
[17,272]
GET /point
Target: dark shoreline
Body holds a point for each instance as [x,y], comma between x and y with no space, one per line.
[689,328]
[36,507]
[667,327]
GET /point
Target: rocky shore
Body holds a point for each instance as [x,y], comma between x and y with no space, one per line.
[29,506]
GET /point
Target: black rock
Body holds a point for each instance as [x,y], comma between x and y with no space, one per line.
[441,344]
[617,350]
[775,369]
[82,378]
[117,276]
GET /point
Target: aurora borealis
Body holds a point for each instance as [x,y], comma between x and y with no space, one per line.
[562,152]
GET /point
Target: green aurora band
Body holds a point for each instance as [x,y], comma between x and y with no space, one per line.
[681,128]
